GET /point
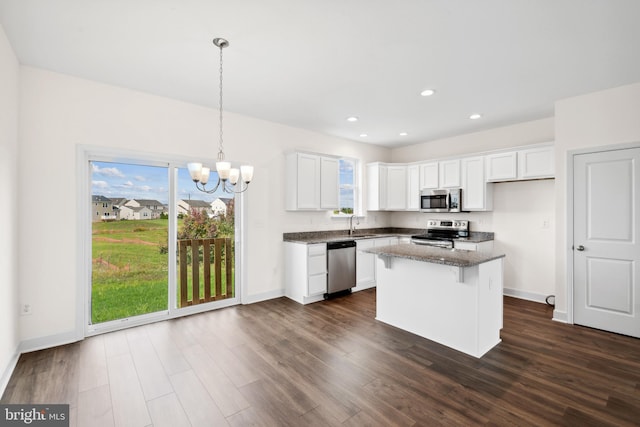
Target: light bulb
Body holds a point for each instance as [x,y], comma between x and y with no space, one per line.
[195,170]
[204,175]
[234,174]
[223,169]
[247,173]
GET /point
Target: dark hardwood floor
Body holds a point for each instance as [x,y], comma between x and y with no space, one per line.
[277,363]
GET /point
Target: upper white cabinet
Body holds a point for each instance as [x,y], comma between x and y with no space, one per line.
[329,183]
[477,194]
[536,163]
[527,163]
[413,187]
[501,166]
[386,187]
[449,173]
[312,182]
[429,176]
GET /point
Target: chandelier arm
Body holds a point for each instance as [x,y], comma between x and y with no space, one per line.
[202,187]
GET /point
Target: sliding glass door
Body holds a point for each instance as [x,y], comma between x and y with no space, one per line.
[159,247]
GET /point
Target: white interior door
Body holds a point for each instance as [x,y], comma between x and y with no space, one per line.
[606,251]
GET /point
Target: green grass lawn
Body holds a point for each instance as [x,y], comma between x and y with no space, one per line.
[130,272]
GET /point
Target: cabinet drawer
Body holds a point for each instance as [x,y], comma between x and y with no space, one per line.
[317,284]
[317,264]
[319,249]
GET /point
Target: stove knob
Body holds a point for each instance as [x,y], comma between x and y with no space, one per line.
[456,224]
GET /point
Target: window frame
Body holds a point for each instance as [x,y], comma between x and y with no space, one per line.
[357,189]
[86,154]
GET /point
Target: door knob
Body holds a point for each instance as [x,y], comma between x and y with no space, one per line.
[580,248]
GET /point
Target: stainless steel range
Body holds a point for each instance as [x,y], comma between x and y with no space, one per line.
[441,233]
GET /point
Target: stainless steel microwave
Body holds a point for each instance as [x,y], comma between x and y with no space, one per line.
[441,200]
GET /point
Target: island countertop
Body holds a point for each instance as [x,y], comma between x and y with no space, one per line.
[435,255]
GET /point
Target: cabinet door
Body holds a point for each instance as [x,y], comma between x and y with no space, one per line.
[429,176]
[449,173]
[535,163]
[365,262]
[308,177]
[329,183]
[501,166]
[396,188]
[413,188]
[317,285]
[475,191]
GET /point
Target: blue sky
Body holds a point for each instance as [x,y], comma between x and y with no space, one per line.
[144,182]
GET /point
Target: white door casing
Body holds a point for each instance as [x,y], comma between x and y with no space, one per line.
[606,254]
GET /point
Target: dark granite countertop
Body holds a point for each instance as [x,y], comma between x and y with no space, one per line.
[453,257]
[310,237]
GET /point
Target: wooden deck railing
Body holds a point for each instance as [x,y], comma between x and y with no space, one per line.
[205,254]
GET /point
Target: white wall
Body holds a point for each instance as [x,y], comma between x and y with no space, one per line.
[9,77]
[57,112]
[520,209]
[597,119]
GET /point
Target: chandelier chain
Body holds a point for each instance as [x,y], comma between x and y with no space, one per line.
[221,145]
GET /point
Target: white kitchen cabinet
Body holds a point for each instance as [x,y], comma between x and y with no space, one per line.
[522,164]
[482,247]
[305,272]
[413,188]
[386,187]
[396,187]
[536,163]
[501,166]
[477,194]
[312,182]
[449,173]
[366,262]
[429,178]
[329,183]
[365,265]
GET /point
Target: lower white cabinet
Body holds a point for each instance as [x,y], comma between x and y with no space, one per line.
[366,262]
[305,271]
[482,247]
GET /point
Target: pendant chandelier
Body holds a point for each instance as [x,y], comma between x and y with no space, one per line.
[230,180]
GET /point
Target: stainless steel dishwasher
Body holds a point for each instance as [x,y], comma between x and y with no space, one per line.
[341,266]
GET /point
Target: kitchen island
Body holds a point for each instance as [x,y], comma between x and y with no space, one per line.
[450,296]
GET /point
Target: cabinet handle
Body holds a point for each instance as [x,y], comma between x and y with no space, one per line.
[580,248]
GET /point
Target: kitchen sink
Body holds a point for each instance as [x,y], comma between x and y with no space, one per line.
[355,236]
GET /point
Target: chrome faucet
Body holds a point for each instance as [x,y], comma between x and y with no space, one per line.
[352,228]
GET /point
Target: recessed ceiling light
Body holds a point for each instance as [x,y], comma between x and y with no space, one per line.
[427,92]
[475,116]
[403,134]
[352,119]
[363,135]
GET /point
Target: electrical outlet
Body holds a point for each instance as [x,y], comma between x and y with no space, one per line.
[26,310]
[545,223]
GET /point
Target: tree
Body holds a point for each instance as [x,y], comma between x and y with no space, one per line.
[198,225]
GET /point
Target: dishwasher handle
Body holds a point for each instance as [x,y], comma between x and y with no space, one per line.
[341,245]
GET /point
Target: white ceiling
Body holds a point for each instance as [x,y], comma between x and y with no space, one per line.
[311,64]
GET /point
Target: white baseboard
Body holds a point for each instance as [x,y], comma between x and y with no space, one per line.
[263,296]
[529,296]
[560,316]
[40,343]
[8,371]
